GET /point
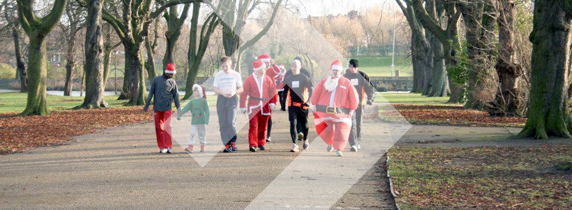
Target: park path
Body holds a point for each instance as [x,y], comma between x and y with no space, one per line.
[120,168]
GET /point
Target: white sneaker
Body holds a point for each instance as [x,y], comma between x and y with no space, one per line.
[294,148]
[358,146]
[306,144]
[330,148]
[163,151]
[339,153]
[354,148]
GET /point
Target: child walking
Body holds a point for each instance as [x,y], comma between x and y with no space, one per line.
[199,108]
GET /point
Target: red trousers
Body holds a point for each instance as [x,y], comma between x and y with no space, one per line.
[257,130]
[333,132]
[163,128]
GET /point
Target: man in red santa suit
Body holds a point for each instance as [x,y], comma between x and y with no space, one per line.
[273,72]
[334,101]
[261,92]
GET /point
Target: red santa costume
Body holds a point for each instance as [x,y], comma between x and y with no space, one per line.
[273,72]
[334,100]
[261,93]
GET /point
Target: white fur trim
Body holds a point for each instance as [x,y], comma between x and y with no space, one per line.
[266,60]
[170,72]
[337,67]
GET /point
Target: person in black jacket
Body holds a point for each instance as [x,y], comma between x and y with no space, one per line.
[365,90]
[307,73]
[298,88]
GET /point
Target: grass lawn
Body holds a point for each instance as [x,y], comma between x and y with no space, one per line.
[16,102]
[381,66]
[523,177]
[410,98]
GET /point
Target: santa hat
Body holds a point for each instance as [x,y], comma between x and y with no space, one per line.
[199,90]
[258,65]
[170,69]
[281,66]
[264,58]
[337,65]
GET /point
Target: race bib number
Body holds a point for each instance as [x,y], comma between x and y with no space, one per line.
[295,84]
[355,82]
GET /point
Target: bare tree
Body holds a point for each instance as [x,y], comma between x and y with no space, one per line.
[11,16]
[198,44]
[93,68]
[71,24]
[549,113]
[234,14]
[509,70]
[132,27]
[174,27]
[37,29]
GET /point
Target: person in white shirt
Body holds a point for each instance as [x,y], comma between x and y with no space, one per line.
[227,84]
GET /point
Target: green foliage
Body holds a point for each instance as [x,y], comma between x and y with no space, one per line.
[460,72]
[567,166]
[7,71]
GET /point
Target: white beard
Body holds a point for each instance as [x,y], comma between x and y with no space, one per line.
[331,83]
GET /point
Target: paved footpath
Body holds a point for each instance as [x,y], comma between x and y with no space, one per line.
[120,168]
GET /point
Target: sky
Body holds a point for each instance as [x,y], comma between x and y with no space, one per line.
[334,7]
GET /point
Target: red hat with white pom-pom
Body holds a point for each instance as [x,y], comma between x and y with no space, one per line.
[170,69]
[264,58]
[258,65]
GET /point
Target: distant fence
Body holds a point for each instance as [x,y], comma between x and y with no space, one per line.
[383,84]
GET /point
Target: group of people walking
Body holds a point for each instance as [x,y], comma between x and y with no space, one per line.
[337,103]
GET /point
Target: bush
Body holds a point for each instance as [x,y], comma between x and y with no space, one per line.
[7,71]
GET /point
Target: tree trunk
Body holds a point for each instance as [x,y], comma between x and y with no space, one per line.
[94,91]
[170,49]
[551,39]
[20,66]
[106,63]
[136,77]
[198,43]
[439,85]
[150,61]
[479,20]
[37,74]
[509,70]
[126,87]
[70,54]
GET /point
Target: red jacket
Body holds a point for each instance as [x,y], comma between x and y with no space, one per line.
[254,95]
[274,73]
[345,96]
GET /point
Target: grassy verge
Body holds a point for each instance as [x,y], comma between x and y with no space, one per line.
[381,66]
[16,102]
[482,178]
[410,98]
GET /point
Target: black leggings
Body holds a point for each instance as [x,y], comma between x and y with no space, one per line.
[298,122]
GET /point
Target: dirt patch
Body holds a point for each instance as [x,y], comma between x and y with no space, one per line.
[449,115]
[20,133]
[482,177]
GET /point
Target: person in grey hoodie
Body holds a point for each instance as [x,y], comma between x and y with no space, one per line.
[164,89]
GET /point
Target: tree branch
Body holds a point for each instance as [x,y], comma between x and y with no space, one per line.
[428,22]
[258,36]
[50,20]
